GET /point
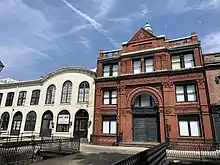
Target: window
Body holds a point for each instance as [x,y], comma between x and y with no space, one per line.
[63,120]
[9,99]
[182,61]
[35,97]
[22,98]
[110,70]
[30,121]
[1,95]
[185,93]
[66,92]
[109,125]
[189,126]
[4,121]
[110,97]
[149,65]
[50,97]
[137,66]
[144,100]
[83,92]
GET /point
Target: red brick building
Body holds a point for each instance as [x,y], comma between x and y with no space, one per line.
[152,88]
[212,70]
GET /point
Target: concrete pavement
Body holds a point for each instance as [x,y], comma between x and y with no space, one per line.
[93,155]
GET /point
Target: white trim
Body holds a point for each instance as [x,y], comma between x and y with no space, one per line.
[142,51]
[111,51]
[177,39]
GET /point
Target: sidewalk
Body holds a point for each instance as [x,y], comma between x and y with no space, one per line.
[94,155]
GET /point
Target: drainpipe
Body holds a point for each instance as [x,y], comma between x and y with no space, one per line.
[13,105]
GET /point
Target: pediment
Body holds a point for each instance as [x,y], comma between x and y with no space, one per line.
[141,35]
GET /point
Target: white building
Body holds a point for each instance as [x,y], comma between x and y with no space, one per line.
[7,80]
[60,104]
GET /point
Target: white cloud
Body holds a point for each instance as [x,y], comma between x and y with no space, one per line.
[211,42]
[92,21]
[105,6]
[182,6]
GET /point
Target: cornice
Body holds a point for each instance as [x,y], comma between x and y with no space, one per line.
[48,76]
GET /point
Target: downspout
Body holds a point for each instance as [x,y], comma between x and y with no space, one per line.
[13,105]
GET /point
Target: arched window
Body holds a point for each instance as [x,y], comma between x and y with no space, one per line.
[83,92]
[66,92]
[63,121]
[144,100]
[30,121]
[4,121]
[51,90]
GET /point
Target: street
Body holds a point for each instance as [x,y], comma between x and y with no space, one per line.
[93,155]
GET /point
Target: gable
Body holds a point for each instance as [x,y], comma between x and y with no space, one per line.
[141,35]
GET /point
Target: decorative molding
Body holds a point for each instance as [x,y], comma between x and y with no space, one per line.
[200,81]
[141,35]
[143,46]
[167,84]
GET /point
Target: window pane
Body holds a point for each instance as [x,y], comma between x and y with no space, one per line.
[145,100]
[137,66]
[115,70]
[191,97]
[105,127]
[188,60]
[149,69]
[114,93]
[194,128]
[106,94]
[190,88]
[113,127]
[176,62]
[106,71]
[179,90]
[184,130]
[180,97]
[114,100]
[106,101]
[106,74]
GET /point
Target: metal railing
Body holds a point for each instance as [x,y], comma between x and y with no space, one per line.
[26,151]
[193,151]
[153,156]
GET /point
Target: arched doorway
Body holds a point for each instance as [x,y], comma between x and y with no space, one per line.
[81,124]
[146,125]
[16,124]
[4,121]
[46,124]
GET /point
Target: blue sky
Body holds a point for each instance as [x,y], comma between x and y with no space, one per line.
[39,36]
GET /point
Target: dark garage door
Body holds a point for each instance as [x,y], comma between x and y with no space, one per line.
[145,128]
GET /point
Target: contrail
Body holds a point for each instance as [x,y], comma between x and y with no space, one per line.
[93,22]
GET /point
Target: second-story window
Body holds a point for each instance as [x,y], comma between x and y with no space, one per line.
[9,99]
[50,97]
[35,97]
[186,92]
[149,65]
[66,92]
[1,95]
[184,60]
[83,95]
[110,97]
[110,70]
[137,66]
[22,98]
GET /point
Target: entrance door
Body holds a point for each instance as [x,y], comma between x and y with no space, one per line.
[145,129]
[145,119]
[46,124]
[16,124]
[81,124]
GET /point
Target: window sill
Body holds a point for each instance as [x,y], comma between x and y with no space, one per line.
[109,106]
[109,135]
[187,102]
[49,104]
[82,102]
[190,138]
[65,103]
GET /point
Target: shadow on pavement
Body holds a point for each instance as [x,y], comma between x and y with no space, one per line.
[103,158]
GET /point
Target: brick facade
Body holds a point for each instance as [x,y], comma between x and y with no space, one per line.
[160,83]
[212,70]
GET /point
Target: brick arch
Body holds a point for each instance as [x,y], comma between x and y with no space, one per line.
[149,90]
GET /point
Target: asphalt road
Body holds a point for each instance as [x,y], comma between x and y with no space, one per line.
[93,155]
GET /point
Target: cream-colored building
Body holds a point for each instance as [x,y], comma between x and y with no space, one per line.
[59,104]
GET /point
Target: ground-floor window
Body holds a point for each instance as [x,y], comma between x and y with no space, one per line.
[4,121]
[109,125]
[189,126]
[63,121]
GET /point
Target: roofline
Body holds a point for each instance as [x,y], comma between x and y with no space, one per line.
[50,75]
[209,54]
[177,39]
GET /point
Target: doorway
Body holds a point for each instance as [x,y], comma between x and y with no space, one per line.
[46,124]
